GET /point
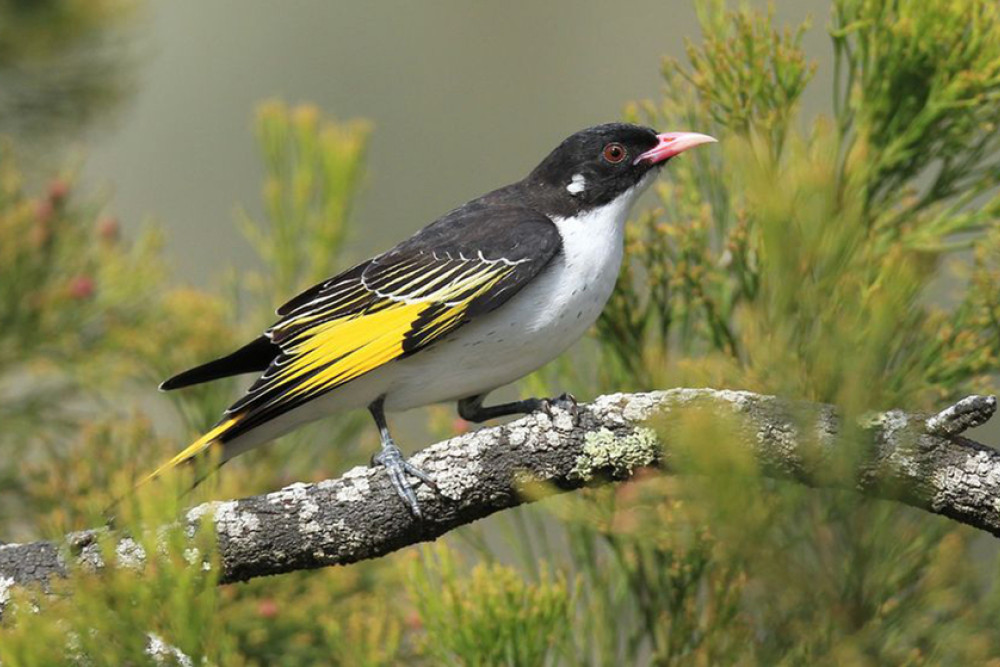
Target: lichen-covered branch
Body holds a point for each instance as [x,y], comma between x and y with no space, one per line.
[917,459]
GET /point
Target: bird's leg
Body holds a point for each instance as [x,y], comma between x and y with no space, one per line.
[472,409]
[392,460]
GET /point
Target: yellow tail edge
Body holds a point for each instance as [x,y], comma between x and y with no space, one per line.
[192,450]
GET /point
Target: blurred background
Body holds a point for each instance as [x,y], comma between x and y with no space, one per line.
[464,98]
[172,171]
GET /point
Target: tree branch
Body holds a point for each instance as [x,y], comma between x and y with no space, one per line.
[915,459]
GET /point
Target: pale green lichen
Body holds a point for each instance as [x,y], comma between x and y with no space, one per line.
[604,451]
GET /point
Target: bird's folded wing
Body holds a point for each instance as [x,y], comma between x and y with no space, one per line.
[398,303]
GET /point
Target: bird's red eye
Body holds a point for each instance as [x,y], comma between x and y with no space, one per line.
[614,153]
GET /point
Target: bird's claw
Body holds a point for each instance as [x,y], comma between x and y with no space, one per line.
[397,467]
[564,401]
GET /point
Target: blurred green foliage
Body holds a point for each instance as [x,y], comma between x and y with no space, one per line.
[899,177]
[169,588]
[90,325]
[64,65]
[811,259]
[313,173]
[851,258]
[492,615]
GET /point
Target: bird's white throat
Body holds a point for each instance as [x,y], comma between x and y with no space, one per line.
[592,241]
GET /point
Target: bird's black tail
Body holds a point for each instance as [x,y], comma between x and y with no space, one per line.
[254,356]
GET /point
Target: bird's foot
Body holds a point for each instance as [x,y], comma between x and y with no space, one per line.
[397,467]
[566,402]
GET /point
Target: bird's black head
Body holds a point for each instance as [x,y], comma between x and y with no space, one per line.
[596,166]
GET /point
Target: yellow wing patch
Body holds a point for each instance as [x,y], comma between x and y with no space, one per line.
[192,450]
[345,349]
[328,354]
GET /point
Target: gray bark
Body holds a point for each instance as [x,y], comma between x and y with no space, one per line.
[916,459]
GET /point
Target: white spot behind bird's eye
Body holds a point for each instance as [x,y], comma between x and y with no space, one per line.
[577,184]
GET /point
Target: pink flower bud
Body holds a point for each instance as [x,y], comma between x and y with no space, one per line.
[108,229]
[58,191]
[413,621]
[81,287]
[267,608]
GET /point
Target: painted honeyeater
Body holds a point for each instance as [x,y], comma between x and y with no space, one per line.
[482,296]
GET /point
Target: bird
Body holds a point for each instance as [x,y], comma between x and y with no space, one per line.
[476,300]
